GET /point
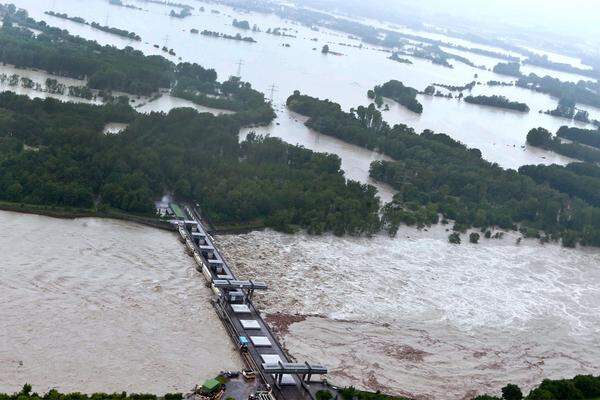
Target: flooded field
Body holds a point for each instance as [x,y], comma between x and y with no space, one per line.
[416,315]
[499,134]
[99,305]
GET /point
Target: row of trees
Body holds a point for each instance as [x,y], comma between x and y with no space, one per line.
[435,174]
[237,36]
[584,136]
[51,86]
[497,101]
[582,387]
[27,394]
[541,137]
[54,153]
[545,62]
[95,25]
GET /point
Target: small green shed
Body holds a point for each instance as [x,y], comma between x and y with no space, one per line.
[211,386]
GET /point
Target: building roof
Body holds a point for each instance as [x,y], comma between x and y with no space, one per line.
[211,385]
[177,210]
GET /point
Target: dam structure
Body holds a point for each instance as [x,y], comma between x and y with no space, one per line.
[232,299]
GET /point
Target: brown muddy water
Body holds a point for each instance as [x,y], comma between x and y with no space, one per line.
[418,316]
[100,305]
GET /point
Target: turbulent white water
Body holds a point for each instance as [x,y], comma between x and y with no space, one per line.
[98,305]
[416,315]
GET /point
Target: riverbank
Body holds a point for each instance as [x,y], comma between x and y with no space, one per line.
[73,213]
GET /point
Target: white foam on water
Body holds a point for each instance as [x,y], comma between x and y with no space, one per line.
[417,315]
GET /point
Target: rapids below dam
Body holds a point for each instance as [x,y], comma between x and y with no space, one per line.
[415,315]
[95,305]
[101,305]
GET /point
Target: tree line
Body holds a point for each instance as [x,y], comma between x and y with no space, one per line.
[26,393]
[581,387]
[435,174]
[55,154]
[581,92]
[584,136]
[115,31]
[541,137]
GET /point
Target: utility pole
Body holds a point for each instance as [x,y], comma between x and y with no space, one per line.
[272,90]
[166,41]
[239,68]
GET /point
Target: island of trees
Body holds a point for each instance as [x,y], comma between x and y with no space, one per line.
[434,174]
[566,108]
[95,25]
[279,32]
[497,101]
[396,57]
[237,36]
[119,3]
[245,25]
[401,94]
[510,69]
[453,88]
[169,4]
[182,13]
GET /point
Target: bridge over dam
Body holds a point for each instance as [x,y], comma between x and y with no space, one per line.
[260,350]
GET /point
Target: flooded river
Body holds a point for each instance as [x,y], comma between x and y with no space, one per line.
[416,315]
[410,315]
[99,305]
